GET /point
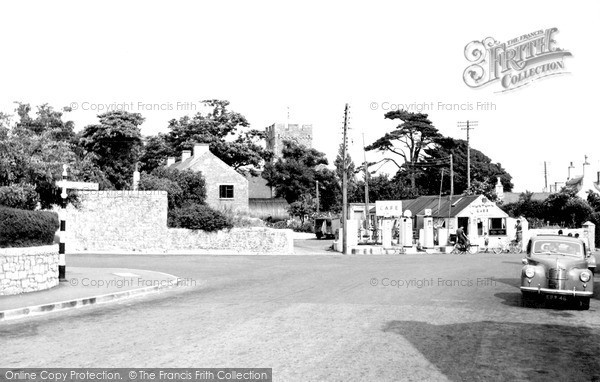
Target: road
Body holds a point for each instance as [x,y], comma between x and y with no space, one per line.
[323,317]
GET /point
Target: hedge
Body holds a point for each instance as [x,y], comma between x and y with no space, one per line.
[21,196]
[22,228]
[198,216]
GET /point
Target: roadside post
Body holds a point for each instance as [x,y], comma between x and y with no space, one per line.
[67,185]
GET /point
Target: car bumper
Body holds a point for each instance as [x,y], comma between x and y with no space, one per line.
[563,292]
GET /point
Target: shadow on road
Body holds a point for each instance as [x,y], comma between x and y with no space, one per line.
[482,351]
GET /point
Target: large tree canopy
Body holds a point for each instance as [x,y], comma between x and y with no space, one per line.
[296,174]
[34,149]
[228,134]
[484,173]
[408,141]
[116,144]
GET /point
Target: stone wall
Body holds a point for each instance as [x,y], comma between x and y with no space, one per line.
[258,241]
[130,222]
[28,269]
[117,220]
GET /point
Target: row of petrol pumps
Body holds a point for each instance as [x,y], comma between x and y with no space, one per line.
[391,227]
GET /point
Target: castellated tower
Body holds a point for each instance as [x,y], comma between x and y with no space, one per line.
[279,132]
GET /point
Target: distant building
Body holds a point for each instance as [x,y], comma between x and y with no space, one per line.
[225,187]
[258,188]
[475,213]
[513,197]
[589,180]
[277,133]
[262,202]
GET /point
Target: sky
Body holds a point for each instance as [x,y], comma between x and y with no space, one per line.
[267,57]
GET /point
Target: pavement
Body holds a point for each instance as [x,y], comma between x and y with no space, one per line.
[86,286]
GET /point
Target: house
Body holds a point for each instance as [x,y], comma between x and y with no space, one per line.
[225,187]
[513,197]
[589,180]
[475,213]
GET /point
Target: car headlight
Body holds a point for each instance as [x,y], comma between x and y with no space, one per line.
[529,272]
[585,277]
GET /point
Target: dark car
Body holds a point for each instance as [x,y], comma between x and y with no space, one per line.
[556,267]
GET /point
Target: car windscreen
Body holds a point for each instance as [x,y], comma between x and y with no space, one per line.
[550,247]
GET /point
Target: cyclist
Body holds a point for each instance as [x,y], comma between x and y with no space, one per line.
[462,239]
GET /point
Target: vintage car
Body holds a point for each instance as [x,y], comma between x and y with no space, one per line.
[556,267]
[326,226]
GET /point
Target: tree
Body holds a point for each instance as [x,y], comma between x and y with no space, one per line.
[47,120]
[302,207]
[381,187]
[34,149]
[408,142]
[228,134]
[296,173]
[484,173]
[593,200]
[116,143]
[350,171]
[192,184]
[565,208]
[5,121]
[155,152]
[482,188]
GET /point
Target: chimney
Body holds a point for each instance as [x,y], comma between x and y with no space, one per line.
[170,161]
[598,177]
[499,189]
[185,154]
[569,170]
[200,148]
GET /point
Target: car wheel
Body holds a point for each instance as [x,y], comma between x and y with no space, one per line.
[527,297]
[584,303]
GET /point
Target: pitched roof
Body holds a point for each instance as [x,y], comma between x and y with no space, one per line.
[439,206]
[199,162]
[257,187]
[512,197]
[575,181]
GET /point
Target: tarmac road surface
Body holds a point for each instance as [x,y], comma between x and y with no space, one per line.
[323,317]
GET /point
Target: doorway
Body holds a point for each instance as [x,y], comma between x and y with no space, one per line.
[464,222]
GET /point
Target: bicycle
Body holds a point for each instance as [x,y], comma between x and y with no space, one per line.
[512,247]
[463,249]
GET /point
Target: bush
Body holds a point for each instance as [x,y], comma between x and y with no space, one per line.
[240,219]
[298,226]
[21,196]
[153,182]
[197,216]
[281,224]
[21,228]
[192,184]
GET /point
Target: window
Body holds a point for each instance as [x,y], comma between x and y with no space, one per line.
[226,191]
[497,226]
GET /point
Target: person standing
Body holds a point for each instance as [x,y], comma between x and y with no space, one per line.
[519,229]
[486,241]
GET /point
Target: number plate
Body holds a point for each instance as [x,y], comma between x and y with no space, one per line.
[556,297]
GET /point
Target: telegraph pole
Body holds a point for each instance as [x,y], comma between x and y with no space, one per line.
[451,177]
[318,196]
[546,176]
[469,125]
[345,183]
[366,185]
[451,185]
